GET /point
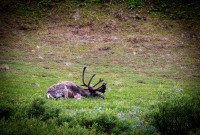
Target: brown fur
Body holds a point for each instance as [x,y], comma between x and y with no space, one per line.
[68,89]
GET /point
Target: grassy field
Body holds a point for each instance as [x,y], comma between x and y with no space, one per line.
[145,61]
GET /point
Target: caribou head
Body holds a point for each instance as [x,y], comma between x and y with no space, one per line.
[68,89]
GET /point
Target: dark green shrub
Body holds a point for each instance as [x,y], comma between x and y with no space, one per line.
[79,1]
[109,123]
[39,110]
[50,113]
[176,9]
[101,1]
[71,120]
[134,3]
[104,123]
[179,115]
[6,111]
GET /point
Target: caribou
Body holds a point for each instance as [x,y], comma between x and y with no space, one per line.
[68,89]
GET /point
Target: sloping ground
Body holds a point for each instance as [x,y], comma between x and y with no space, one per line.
[137,57]
[148,43]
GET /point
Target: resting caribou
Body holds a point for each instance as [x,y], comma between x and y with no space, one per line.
[68,89]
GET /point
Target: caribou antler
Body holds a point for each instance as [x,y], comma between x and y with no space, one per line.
[91,80]
[83,76]
[101,89]
[100,80]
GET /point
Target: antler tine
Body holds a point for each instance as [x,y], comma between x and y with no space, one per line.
[100,80]
[91,80]
[83,76]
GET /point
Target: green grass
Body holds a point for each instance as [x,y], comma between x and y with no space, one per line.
[142,75]
[126,100]
[24,82]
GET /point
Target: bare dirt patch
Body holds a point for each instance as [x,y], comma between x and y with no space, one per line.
[75,35]
[137,39]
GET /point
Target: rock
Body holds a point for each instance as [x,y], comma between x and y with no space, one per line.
[104,48]
[46,67]
[135,39]
[38,47]
[35,85]
[68,64]
[4,68]
[140,81]
[116,83]
[178,90]
[40,57]
[76,16]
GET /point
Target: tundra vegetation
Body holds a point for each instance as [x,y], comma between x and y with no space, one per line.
[146,51]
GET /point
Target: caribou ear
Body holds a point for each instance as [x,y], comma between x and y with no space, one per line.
[102,89]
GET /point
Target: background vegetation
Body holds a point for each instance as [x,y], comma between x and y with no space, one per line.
[147,52]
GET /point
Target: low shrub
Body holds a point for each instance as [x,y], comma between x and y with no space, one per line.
[104,123]
[134,3]
[177,115]
[6,111]
[39,110]
[176,9]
